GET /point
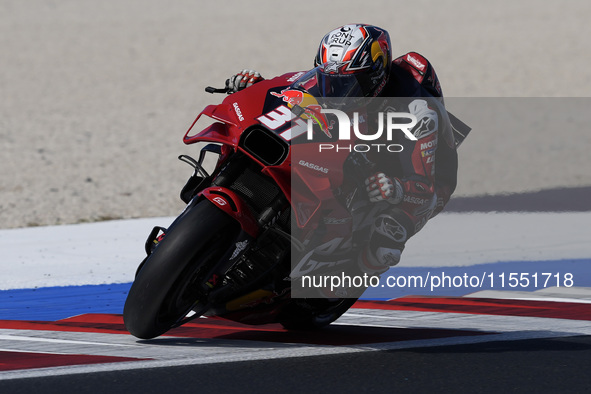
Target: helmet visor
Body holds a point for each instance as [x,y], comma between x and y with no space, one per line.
[340,85]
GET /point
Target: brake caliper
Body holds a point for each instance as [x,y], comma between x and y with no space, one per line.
[156,235]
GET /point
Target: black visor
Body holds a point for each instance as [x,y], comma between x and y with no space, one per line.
[322,84]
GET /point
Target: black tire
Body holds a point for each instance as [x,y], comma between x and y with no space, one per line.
[312,314]
[165,287]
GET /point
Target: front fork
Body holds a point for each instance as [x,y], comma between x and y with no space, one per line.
[213,187]
[201,178]
[195,185]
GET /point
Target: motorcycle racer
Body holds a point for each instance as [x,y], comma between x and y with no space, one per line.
[414,185]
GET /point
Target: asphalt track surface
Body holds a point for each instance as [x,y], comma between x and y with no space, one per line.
[529,366]
[412,344]
[545,365]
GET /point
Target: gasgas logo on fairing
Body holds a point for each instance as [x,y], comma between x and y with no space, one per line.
[313,166]
[238,112]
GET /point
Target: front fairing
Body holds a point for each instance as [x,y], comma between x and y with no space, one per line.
[310,182]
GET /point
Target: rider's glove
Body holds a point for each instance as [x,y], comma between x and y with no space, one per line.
[381,188]
[242,80]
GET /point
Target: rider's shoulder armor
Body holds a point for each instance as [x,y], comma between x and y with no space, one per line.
[419,70]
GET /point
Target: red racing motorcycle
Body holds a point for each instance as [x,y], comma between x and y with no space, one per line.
[229,253]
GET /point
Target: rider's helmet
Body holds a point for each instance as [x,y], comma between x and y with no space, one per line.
[353,61]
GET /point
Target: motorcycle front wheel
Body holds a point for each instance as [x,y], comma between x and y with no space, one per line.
[167,287]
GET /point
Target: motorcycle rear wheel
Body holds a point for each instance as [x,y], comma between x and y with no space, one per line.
[166,287]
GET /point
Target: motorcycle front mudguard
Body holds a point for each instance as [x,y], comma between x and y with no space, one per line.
[229,202]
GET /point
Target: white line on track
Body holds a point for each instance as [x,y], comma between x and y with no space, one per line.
[48,340]
[175,351]
[306,351]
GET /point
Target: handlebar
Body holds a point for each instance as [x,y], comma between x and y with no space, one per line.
[212,90]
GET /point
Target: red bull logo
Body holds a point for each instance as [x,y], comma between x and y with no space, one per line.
[290,96]
[295,97]
[314,112]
